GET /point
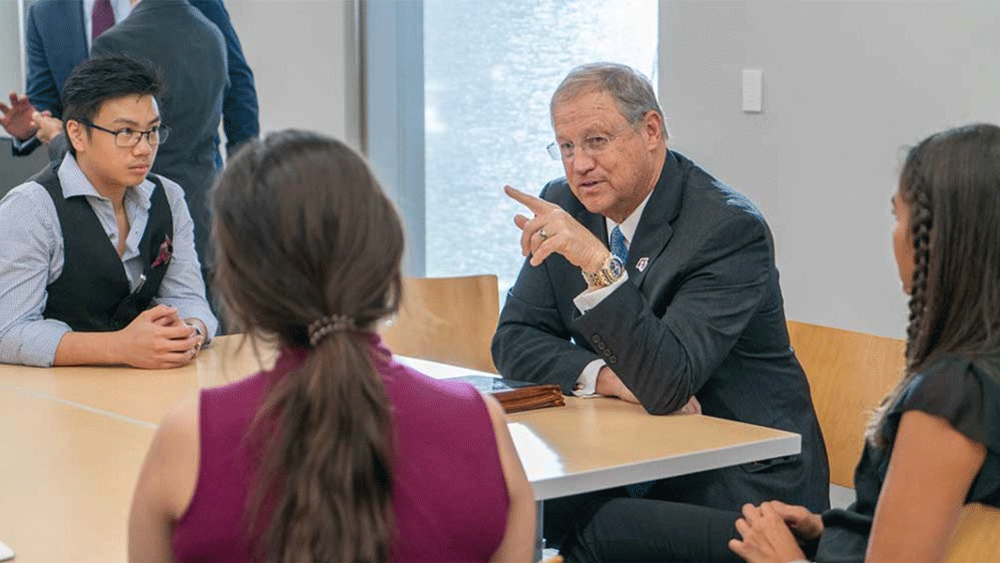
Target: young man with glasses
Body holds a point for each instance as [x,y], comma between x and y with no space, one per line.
[649,280]
[98,264]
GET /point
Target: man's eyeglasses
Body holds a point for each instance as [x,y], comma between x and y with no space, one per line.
[592,145]
[127,138]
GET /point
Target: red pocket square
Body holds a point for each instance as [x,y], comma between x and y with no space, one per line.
[166,252]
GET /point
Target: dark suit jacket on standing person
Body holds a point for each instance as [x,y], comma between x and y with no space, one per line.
[700,314]
[191,54]
[56,43]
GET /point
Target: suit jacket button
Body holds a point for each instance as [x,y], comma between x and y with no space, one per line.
[613,359]
[595,339]
[601,346]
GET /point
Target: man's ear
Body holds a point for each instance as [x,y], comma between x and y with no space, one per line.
[652,129]
[77,134]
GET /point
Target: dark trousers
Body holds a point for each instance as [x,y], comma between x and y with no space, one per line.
[562,517]
[627,529]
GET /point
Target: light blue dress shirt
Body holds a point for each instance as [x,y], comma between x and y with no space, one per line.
[31,258]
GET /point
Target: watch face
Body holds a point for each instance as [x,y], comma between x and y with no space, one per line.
[615,267]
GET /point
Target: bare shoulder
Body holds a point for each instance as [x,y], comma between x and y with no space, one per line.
[509,459]
[175,454]
[181,421]
[497,415]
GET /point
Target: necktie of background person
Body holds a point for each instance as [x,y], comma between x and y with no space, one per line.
[102,18]
[618,247]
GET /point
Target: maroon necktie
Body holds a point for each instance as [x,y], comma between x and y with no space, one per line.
[102,18]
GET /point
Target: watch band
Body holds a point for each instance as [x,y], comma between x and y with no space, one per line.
[611,271]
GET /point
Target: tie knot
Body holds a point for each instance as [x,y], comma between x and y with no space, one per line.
[618,247]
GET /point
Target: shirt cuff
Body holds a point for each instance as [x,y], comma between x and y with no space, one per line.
[207,318]
[193,308]
[590,298]
[586,384]
[18,144]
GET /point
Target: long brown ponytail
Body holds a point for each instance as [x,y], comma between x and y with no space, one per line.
[302,232]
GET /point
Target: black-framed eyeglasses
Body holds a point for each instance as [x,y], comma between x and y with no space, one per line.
[593,145]
[127,138]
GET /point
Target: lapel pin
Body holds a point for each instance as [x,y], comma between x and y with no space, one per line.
[642,263]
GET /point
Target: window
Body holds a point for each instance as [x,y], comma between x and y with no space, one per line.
[489,69]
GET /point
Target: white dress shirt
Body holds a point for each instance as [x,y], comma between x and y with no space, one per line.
[31,258]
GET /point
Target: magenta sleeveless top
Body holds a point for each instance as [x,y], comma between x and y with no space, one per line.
[450,500]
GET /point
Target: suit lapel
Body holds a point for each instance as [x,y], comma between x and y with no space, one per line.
[66,36]
[654,230]
[76,33]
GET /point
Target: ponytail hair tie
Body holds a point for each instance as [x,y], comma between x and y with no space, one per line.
[323,326]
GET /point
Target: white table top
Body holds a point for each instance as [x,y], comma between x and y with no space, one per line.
[72,441]
[597,443]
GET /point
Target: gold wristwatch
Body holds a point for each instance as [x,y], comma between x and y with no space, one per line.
[611,271]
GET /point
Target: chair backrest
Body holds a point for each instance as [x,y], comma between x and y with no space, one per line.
[977,535]
[849,373]
[448,320]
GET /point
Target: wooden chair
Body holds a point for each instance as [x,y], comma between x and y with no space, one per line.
[448,320]
[977,535]
[849,373]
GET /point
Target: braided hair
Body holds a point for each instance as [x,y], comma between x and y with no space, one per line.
[921,221]
[950,183]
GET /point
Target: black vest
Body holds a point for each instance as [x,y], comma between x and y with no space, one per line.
[93,294]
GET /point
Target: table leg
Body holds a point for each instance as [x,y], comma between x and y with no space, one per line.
[539,538]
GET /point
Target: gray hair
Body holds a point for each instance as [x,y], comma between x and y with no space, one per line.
[632,91]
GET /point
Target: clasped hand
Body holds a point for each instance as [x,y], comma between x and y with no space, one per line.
[159,339]
[774,532]
[48,127]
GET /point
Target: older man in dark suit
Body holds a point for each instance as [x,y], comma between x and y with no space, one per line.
[651,281]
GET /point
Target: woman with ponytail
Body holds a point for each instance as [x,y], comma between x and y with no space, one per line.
[932,445]
[338,453]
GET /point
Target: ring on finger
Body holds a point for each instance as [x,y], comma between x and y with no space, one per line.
[542,234]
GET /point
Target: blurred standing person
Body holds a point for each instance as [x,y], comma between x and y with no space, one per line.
[191,54]
[59,36]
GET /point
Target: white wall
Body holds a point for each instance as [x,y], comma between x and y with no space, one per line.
[11,74]
[847,85]
[304,57]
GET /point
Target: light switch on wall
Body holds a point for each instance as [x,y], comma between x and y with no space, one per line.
[753,90]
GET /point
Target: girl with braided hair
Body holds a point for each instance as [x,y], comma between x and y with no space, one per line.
[338,453]
[934,442]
